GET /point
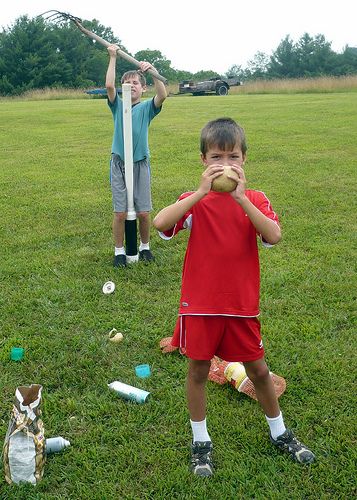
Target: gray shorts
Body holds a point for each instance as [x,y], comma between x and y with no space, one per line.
[141,179]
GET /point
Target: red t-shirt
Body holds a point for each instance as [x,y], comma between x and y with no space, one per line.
[221,266]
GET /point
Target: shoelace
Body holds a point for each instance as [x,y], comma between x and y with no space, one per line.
[202,457]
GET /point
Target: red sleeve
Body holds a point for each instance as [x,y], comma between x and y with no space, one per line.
[180,224]
[262,202]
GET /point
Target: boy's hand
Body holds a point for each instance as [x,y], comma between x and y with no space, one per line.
[239,193]
[159,86]
[207,177]
[144,66]
[112,49]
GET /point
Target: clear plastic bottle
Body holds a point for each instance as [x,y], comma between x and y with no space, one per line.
[56,444]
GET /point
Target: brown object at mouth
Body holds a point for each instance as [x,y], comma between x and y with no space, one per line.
[222,183]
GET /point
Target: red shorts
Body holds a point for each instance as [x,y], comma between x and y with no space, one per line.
[231,338]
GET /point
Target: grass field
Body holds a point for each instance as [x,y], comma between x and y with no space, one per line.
[57,253]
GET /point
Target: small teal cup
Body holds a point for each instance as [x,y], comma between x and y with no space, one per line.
[142,370]
[17,353]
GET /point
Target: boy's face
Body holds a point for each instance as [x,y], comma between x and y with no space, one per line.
[137,89]
[216,156]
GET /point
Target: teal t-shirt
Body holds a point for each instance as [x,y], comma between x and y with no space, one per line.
[142,114]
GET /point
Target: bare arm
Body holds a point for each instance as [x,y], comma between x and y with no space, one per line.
[159,86]
[269,230]
[160,93]
[110,78]
[167,217]
[265,226]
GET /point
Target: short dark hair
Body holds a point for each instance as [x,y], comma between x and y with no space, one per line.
[133,74]
[223,133]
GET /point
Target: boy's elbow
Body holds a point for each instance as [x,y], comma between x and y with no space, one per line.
[159,99]
[156,223]
[275,237]
[161,224]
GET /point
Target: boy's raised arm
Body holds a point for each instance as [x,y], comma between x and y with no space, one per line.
[110,77]
[160,93]
[159,86]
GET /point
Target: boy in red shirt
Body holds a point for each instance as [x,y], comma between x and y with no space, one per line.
[220,286]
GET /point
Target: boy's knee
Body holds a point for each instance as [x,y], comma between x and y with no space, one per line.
[120,216]
[143,216]
[199,370]
[257,370]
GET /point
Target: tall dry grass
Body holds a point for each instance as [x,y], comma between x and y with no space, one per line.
[291,86]
[298,85]
[49,93]
[284,86]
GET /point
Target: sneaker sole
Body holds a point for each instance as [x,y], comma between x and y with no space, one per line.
[203,471]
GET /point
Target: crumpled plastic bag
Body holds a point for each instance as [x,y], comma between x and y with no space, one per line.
[24,454]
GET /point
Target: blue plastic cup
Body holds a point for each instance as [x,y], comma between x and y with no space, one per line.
[16,353]
[142,370]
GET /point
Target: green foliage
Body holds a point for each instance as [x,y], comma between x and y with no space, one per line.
[159,62]
[57,253]
[180,76]
[284,60]
[37,54]
[349,62]
[309,57]
[236,71]
[28,58]
[205,75]
[257,67]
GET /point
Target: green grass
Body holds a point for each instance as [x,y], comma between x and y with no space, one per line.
[57,253]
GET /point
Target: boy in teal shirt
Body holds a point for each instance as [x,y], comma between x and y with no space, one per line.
[142,114]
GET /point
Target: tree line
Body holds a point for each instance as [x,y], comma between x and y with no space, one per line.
[309,57]
[35,54]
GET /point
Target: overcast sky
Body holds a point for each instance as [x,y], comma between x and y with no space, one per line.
[200,35]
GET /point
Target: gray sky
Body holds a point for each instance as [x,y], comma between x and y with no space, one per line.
[206,35]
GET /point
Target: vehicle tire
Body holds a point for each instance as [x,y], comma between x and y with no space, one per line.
[222,90]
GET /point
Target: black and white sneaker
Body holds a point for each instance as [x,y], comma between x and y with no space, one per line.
[201,458]
[146,256]
[290,445]
[119,261]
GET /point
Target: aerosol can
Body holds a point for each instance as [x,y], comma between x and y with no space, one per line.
[129,392]
[56,444]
